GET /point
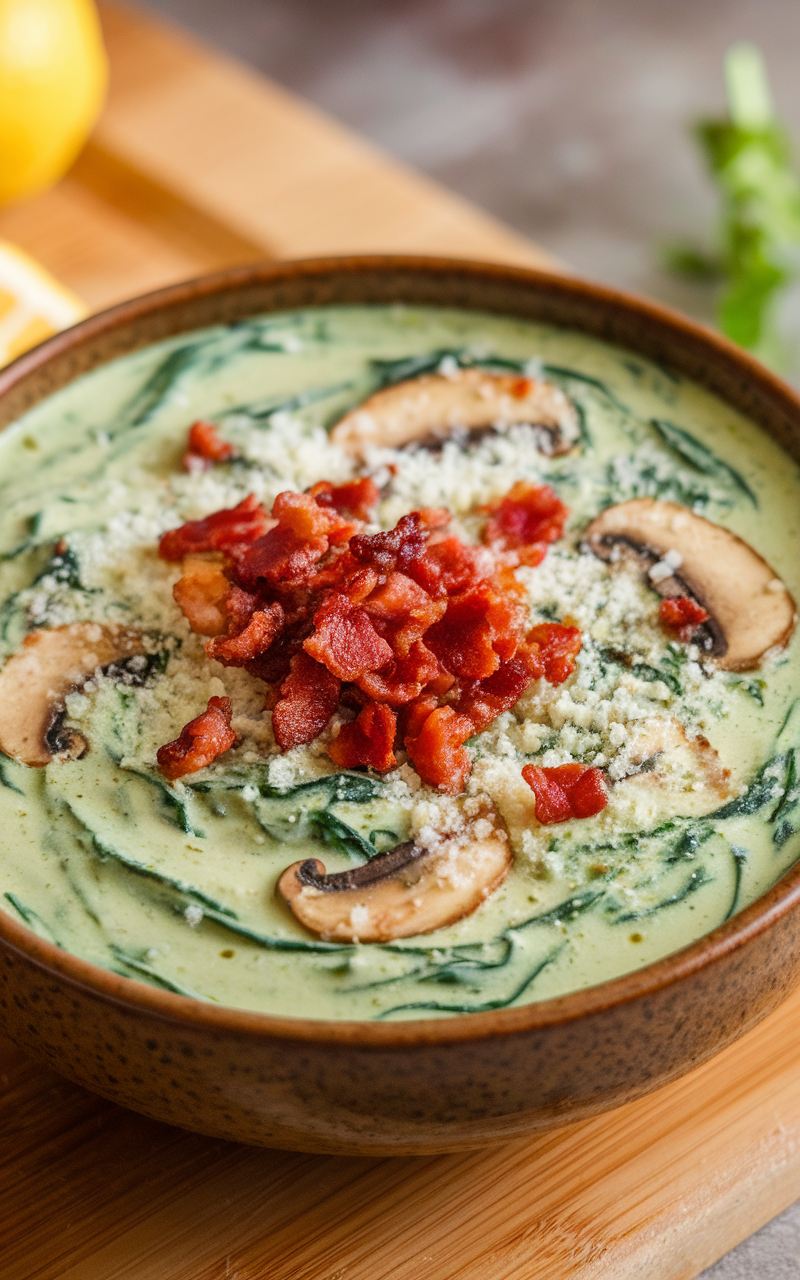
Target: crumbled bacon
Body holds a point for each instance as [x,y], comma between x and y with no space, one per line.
[566,791]
[550,651]
[403,679]
[302,533]
[357,498]
[206,447]
[479,631]
[201,594]
[420,635]
[438,752]
[345,640]
[681,616]
[199,742]
[367,740]
[308,698]
[222,531]
[249,643]
[403,611]
[528,518]
[484,700]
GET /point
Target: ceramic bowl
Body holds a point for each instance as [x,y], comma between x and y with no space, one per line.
[419,1086]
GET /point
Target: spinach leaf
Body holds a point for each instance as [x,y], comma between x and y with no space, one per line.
[31,918]
[690,450]
[261,411]
[568,910]
[338,835]
[563,374]
[389,372]
[786,805]
[107,852]
[153,393]
[740,856]
[484,1006]
[5,781]
[141,968]
[696,880]
[768,783]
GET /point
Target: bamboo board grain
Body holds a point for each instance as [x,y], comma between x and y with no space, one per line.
[197,165]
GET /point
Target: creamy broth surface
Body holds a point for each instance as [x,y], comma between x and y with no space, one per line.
[175,884]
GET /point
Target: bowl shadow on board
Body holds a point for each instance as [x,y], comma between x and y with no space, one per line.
[414,1087]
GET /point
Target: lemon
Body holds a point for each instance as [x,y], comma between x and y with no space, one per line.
[53,75]
[33,304]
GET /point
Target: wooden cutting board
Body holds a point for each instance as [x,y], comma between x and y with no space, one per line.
[198,164]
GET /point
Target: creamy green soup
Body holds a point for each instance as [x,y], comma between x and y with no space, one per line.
[174,884]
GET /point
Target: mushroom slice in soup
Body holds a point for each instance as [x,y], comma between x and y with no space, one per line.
[750,611]
[36,680]
[407,891]
[665,759]
[425,410]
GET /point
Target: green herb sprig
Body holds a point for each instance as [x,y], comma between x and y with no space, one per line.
[749,158]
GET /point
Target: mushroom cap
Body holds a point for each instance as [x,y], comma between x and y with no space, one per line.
[750,609]
[426,409]
[676,758]
[35,681]
[400,894]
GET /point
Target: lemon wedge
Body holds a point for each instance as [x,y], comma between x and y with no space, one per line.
[33,305]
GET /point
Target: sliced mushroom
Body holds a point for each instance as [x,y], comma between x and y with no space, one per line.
[664,756]
[427,409]
[408,891]
[750,610]
[36,680]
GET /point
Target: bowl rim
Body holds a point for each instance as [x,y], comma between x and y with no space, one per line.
[603,998]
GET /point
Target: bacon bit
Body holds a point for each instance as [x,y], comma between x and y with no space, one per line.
[434,517]
[414,714]
[309,697]
[566,791]
[521,387]
[551,650]
[449,566]
[406,623]
[199,742]
[301,536]
[438,751]
[478,632]
[221,531]
[307,520]
[255,639]
[403,679]
[525,521]
[206,447]
[484,700]
[398,548]
[367,740]
[404,609]
[681,616]
[589,795]
[358,498]
[201,593]
[345,640]
[273,665]
[240,607]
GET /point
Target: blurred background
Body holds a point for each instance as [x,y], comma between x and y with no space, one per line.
[568,119]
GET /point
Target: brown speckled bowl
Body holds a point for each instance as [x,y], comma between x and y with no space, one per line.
[405,1087]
